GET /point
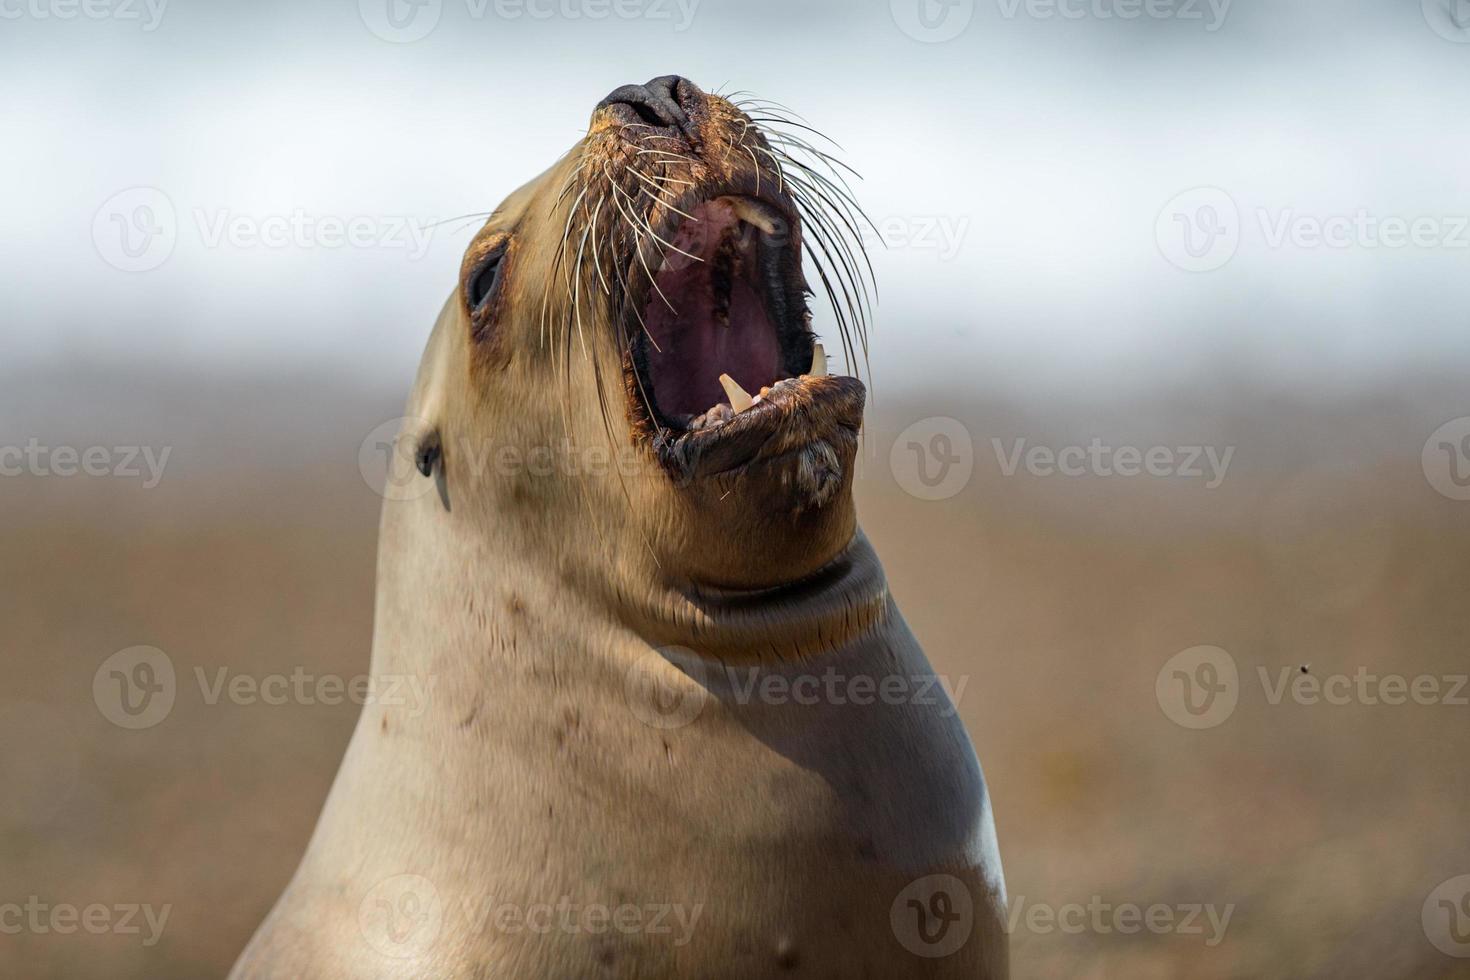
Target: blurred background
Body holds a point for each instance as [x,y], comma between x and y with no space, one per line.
[1168,454]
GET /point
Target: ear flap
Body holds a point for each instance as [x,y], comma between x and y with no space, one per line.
[428,451]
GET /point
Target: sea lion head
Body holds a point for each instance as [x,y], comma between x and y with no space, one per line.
[626,384]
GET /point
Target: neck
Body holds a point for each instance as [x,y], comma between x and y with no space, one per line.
[535,682]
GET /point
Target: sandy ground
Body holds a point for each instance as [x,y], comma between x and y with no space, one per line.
[1320,828]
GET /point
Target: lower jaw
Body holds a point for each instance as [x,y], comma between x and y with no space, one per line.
[802,422]
[765,525]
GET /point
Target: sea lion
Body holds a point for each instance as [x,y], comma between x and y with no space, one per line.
[678,727]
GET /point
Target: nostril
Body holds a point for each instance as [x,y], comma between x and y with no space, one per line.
[647,105]
[646,112]
[659,103]
[677,89]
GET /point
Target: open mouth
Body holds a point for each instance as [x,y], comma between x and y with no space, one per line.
[725,367]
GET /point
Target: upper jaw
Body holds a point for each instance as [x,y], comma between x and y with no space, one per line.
[762,201]
[795,403]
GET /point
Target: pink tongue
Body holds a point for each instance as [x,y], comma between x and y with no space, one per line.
[692,344]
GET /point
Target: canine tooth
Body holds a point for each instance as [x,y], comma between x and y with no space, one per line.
[751,214]
[819,362]
[740,400]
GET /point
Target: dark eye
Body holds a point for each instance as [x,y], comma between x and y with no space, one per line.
[484,280]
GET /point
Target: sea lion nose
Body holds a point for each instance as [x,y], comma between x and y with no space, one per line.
[661,102]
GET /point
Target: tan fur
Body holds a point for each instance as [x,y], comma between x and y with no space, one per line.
[527,596]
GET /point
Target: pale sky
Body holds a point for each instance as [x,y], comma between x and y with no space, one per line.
[1019,170]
